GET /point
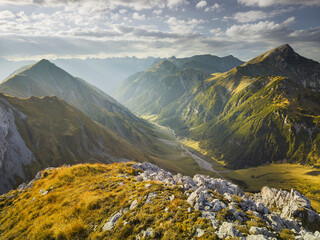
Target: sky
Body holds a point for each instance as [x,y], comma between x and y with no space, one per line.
[36,29]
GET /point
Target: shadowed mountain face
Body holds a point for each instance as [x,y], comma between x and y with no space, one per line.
[152,90]
[43,132]
[266,110]
[46,79]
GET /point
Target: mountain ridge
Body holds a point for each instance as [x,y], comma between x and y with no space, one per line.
[264,111]
[140,200]
[44,132]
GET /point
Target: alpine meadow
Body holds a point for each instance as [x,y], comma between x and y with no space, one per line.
[159,119]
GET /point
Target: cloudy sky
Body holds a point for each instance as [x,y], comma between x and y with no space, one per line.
[35,29]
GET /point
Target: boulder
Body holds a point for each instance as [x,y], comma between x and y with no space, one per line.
[112,221]
[228,230]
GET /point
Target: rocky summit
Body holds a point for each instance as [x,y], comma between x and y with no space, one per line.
[142,201]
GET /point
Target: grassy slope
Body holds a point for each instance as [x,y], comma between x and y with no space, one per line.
[83,197]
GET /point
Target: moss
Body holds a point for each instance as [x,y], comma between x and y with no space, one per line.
[287,234]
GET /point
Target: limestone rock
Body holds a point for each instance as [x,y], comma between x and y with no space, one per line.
[112,221]
[228,230]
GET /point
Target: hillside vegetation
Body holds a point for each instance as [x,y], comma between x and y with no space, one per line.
[130,201]
[266,110]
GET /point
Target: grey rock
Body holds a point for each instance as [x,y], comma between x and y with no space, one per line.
[133,205]
[112,221]
[151,196]
[310,236]
[147,185]
[228,230]
[260,231]
[199,232]
[257,237]
[148,232]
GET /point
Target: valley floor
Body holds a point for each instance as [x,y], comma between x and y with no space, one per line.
[192,160]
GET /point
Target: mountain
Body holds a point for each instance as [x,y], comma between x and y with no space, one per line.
[266,110]
[106,74]
[152,90]
[207,63]
[36,133]
[46,79]
[8,67]
[142,201]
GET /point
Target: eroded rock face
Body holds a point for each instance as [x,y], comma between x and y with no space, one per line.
[13,150]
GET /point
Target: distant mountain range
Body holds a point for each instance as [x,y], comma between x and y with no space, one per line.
[266,110]
[157,87]
[106,74]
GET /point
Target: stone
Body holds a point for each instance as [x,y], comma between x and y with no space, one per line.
[228,230]
[133,205]
[310,236]
[260,231]
[257,237]
[171,198]
[151,196]
[148,232]
[217,205]
[112,221]
[199,232]
[147,185]
[189,210]
[192,198]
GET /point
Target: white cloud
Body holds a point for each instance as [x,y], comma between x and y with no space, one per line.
[182,26]
[261,30]
[137,16]
[201,4]
[250,16]
[214,7]
[157,11]
[135,4]
[216,32]
[176,3]
[7,15]
[123,11]
[266,3]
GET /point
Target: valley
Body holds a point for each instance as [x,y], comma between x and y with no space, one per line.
[305,179]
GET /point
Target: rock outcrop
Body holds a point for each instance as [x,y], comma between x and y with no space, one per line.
[277,210]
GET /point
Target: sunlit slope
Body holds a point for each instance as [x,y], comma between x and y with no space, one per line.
[266,110]
[50,132]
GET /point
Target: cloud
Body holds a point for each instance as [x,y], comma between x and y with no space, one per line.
[182,26]
[176,3]
[201,4]
[267,3]
[7,15]
[212,8]
[250,16]
[261,30]
[134,4]
[123,11]
[157,11]
[216,32]
[137,16]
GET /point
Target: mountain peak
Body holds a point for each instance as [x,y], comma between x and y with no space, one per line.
[283,52]
[285,49]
